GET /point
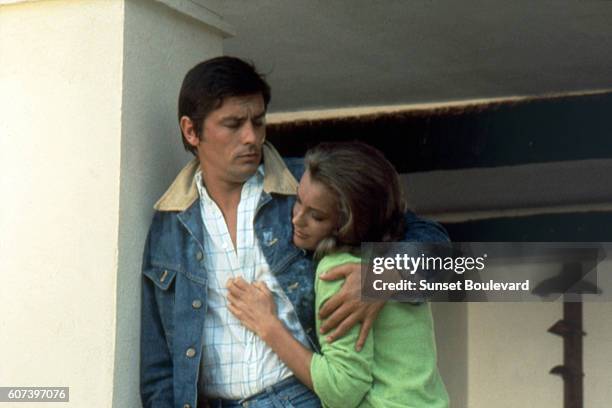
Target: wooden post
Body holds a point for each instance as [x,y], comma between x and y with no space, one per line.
[570,328]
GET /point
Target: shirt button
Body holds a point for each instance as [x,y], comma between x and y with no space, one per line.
[190,352]
[199,256]
[196,304]
[186,406]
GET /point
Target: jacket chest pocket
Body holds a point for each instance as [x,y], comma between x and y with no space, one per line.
[164,281]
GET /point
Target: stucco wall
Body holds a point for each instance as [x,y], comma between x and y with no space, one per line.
[60,134]
[452,340]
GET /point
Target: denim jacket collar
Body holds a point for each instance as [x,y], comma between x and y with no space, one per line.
[183,192]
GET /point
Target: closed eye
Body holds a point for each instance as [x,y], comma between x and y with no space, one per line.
[317,218]
[233,125]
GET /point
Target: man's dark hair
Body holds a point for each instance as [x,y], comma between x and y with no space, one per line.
[207,84]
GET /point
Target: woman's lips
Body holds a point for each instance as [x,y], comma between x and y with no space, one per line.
[299,234]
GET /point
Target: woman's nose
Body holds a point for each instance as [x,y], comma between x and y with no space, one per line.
[298,218]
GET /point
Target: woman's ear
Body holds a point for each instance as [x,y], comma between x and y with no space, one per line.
[189,131]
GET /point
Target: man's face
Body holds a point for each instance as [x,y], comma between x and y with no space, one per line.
[232,137]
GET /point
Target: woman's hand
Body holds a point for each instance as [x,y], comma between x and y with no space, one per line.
[252,304]
[345,309]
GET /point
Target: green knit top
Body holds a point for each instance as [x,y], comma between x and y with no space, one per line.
[397,365]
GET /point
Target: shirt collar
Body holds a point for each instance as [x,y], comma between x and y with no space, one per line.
[257,178]
[183,191]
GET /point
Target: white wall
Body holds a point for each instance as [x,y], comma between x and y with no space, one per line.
[500,354]
[510,353]
[452,340]
[60,137]
[597,353]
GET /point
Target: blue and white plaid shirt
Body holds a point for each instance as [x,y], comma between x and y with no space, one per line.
[235,362]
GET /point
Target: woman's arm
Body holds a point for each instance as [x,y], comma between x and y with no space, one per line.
[345,309]
[341,376]
[254,306]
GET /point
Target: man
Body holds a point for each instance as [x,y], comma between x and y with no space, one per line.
[228,214]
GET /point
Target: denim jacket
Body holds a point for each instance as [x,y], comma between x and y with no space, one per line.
[174,286]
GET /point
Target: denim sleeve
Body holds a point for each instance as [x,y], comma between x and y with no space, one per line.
[156,369]
[422,230]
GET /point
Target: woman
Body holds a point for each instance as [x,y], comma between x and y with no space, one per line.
[350,194]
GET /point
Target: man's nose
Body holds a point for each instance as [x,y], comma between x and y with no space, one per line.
[250,133]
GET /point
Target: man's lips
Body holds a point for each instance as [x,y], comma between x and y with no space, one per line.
[250,156]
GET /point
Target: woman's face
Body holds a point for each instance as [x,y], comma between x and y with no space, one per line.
[315,213]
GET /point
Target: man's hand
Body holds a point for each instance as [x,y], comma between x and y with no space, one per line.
[252,304]
[345,309]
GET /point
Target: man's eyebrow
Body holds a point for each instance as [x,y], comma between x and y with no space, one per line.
[261,115]
[241,118]
[233,118]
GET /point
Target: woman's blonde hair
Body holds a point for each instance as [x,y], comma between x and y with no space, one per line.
[369,195]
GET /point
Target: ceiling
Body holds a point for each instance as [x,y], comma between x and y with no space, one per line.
[343,53]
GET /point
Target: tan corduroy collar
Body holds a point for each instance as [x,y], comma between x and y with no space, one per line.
[182,193]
